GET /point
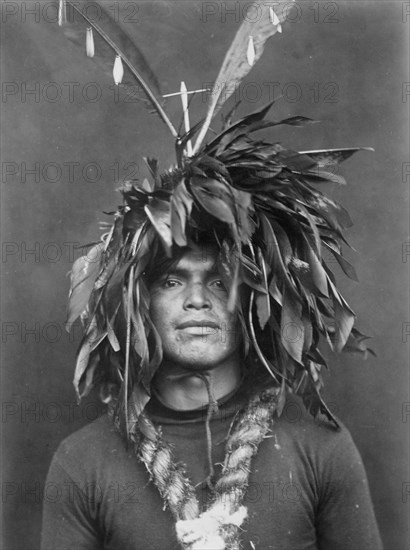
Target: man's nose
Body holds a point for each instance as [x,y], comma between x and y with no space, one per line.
[197,297]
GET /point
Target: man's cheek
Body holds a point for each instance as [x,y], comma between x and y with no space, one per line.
[157,315]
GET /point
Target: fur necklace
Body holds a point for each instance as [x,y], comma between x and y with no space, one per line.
[218,527]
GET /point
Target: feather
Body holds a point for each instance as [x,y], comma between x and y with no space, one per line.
[238,61]
[91,341]
[292,327]
[267,364]
[136,404]
[112,338]
[129,310]
[89,377]
[83,276]
[227,119]
[312,399]
[317,271]
[158,352]
[346,266]
[324,157]
[181,206]
[343,317]
[152,164]
[318,175]
[215,198]
[262,300]
[159,214]
[344,323]
[233,291]
[119,42]
[356,344]
[227,136]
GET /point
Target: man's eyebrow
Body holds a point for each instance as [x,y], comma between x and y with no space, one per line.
[183,272]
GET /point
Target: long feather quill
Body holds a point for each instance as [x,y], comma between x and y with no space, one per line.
[324,157]
[123,46]
[128,344]
[236,64]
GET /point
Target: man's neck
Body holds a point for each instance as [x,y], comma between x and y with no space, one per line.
[184,389]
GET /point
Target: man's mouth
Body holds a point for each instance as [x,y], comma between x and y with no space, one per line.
[202,325]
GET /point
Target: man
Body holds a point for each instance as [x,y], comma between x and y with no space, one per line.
[306,489]
[206,308]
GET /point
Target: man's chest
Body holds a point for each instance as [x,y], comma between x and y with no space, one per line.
[280,504]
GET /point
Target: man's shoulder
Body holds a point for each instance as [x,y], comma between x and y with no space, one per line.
[98,440]
[310,434]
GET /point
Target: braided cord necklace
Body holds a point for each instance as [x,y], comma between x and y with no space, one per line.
[218,527]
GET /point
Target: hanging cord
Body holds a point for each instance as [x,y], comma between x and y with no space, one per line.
[212,409]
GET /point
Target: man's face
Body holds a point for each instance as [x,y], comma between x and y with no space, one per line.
[189,310]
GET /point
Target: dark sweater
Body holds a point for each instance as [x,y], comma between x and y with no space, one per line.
[307,488]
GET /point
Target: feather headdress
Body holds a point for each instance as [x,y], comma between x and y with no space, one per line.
[260,203]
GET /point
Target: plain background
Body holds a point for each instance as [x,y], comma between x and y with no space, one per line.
[343,63]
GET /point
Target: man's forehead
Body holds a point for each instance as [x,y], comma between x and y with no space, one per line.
[203,257]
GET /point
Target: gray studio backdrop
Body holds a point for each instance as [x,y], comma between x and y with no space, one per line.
[68,140]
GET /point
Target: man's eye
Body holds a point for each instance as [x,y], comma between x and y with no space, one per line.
[170,283]
[219,284]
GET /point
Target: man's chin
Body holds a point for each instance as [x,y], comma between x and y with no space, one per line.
[197,355]
[196,361]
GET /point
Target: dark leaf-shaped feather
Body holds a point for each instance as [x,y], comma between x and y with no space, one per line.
[324,157]
[181,206]
[112,337]
[278,266]
[212,195]
[347,267]
[136,404]
[292,327]
[91,341]
[87,381]
[298,121]
[332,212]
[159,214]
[208,163]
[181,142]
[227,119]
[178,223]
[223,139]
[295,161]
[318,273]
[265,362]
[303,273]
[356,343]
[152,164]
[83,276]
[319,175]
[263,300]
[344,320]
